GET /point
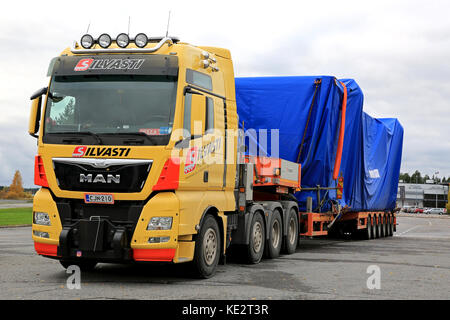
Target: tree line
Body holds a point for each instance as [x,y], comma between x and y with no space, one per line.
[15,190]
[417,177]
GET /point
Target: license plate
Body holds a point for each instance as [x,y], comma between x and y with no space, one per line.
[98,198]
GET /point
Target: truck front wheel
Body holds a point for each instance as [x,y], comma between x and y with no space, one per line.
[207,249]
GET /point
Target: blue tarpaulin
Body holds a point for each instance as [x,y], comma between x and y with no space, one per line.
[308,109]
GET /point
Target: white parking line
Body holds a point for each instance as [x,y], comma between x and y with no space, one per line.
[410,229]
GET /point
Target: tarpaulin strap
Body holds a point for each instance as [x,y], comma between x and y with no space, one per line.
[317,82]
[337,163]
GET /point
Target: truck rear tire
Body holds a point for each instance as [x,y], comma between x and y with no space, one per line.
[255,248]
[207,249]
[383,226]
[291,239]
[273,246]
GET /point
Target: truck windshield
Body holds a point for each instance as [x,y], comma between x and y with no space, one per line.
[113,107]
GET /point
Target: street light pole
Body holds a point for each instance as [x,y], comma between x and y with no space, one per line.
[435,181]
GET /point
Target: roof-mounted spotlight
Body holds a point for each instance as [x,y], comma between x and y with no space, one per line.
[104,40]
[122,40]
[141,40]
[205,54]
[87,41]
[205,63]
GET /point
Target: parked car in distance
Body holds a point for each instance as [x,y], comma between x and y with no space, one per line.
[418,210]
[406,209]
[435,211]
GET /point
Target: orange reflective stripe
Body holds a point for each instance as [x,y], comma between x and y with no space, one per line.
[153,254]
[46,249]
[337,163]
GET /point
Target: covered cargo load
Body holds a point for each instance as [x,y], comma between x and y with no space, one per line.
[306,111]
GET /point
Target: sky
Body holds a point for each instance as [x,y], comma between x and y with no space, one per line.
[397,51]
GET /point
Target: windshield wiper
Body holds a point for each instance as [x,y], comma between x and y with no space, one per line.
[86,133]
[141,134]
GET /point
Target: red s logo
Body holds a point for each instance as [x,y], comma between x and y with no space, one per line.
[83,64]
[79,151]
[191,160]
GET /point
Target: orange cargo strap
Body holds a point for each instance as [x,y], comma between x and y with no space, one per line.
[317,82]
[337,163]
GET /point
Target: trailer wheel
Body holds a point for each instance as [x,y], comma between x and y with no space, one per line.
[255,248]
[391,226]
[369,230]
[383,226]
[273,246]
[380,226]
[84,265]
[375,227]
[386,225]
[291,239]
[207,249]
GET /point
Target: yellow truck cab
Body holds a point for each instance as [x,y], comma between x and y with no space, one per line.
[139,159]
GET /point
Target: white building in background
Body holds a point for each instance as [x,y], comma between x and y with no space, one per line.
[422,195]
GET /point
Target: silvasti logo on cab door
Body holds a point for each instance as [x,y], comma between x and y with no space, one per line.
[84,151]
[109,64]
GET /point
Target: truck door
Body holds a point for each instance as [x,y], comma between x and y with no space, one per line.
[202,160]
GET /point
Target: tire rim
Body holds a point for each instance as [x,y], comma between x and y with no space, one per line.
[292,231]
[257,236]
[275,234]
[210,246]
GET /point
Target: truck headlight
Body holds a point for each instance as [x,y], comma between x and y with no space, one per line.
[160,223]
[42,218]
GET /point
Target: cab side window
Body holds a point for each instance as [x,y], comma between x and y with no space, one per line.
[208,118]
[209,121]
[199,79]
[187,116]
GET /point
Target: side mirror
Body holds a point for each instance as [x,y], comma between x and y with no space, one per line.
[35,114]
[198,115]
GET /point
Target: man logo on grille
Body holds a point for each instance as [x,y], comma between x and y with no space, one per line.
[99,178]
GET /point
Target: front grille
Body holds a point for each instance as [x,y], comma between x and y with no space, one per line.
[101,175]
[122,212]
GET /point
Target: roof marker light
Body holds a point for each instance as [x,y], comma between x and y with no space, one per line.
[141,40]
[104,40]
[122,40]
[87,41]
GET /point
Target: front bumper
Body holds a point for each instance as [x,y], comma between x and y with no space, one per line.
[110,233]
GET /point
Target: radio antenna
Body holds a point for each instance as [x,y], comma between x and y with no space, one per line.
[89,25]
[168,21]
[129,22]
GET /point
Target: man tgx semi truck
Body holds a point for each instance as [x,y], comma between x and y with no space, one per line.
[143,156]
